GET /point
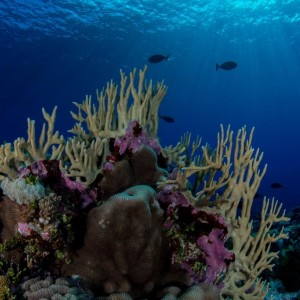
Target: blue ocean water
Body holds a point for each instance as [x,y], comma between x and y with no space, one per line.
[56,52]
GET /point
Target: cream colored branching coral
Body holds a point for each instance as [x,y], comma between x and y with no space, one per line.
[111,117]
[253,251]
[83,155]
[231,178]
[179,154]
[83,159]
[95,125]
[206,167]
[23,153]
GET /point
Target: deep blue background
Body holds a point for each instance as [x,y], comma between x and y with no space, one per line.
[56,52]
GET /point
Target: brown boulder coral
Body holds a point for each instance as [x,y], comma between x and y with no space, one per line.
[141,168]
[123,248]
[10,215]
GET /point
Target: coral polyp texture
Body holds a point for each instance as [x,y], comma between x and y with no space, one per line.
[109,213]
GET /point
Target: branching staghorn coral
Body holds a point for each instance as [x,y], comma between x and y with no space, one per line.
[24,153]
[233,177]
[111,117]
[179,154]
[205,168]
[83,155]
[87,151]
[85,160]
[253,251]
[175,154]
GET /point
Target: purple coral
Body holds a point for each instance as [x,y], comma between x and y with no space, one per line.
[39,168]
[167,197]
[217,255]
[86,195]
[24,229]
[196,237]
[48,172]
[134,138]
[45,170]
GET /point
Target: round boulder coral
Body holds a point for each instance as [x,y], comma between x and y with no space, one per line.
[123,247]
[141,168]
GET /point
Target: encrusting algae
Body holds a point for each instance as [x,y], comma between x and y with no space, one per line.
[5,289]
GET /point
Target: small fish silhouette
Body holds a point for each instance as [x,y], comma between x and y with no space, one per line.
[257,195]
[276,185]
[167,118]
[157,58]
[228,65]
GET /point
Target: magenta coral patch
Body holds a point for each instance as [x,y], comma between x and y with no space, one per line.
[216,254]
[24,229]
[134,138]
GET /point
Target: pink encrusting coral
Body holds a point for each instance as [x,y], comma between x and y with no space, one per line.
[86,196]
[39,168]
[217,257]
[48,172]
[132,141]
[46,227]
[195,237]
[170,197]
[135,137]
[24,229]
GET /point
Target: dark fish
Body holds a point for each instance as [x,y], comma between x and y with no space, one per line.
[167,119]
[257,195]
[157,58]
[276,185]
[228,65]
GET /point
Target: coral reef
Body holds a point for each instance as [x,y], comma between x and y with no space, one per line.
[133,219]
